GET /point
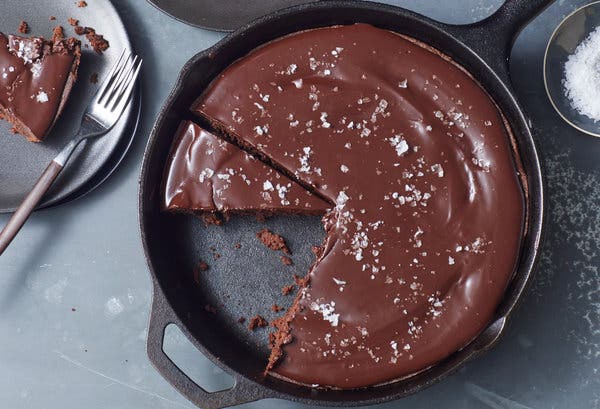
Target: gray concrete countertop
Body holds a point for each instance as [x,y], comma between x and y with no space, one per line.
[75,291]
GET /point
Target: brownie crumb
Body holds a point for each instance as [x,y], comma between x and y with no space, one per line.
[97,41]
[301,281]
[215,255]
[276,308]
[81,4]
[58,34]
[211,218]
[241,320]
[94,78]
[23,27]
[52,18]
[210,309]
[199,269]
[73,21]
[257,322]
[272,240]
[287,289]
[286,261]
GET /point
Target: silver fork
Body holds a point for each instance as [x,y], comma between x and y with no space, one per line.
[101,115]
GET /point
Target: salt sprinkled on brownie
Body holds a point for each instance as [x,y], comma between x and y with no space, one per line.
[392,148]
[41,97]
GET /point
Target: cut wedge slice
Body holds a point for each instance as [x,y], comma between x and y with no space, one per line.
[210,176]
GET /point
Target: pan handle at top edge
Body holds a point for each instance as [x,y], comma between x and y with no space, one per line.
[493,37]
[161,315]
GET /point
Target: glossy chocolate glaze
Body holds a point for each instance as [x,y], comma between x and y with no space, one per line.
[207,174]
[35,78]
[427,228]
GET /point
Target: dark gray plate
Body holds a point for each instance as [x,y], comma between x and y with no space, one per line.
[221,15]
[22,162]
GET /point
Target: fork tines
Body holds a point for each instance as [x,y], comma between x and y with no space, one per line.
[117,87]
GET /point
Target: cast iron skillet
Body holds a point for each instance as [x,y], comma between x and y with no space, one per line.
[173,243]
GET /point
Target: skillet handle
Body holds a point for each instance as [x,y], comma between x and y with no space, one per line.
[493,37]
[161,316]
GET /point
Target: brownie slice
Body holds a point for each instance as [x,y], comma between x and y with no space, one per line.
[36,77]
[210,176]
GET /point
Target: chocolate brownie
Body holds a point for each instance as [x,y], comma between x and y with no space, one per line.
[429,216]
[257,322]
[36,77]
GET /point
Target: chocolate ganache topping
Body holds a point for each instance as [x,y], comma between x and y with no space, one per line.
[428,211]
[207,174]
[36,77]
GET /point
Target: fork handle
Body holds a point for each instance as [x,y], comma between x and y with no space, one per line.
[28,204]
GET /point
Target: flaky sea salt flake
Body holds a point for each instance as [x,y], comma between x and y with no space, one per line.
[41,97]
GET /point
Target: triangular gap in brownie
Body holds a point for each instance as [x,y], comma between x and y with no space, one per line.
[216,127]
[282,334]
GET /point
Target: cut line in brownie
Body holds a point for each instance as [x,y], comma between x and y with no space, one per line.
[209,176]
[429,207]
[36,78]
[222,131]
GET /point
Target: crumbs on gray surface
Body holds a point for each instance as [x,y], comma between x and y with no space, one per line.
[574,209]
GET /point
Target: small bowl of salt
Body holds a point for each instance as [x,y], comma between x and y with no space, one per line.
[572,69]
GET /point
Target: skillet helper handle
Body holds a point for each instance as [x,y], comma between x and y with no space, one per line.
[493,37]
[161,316]
[33,198]
[512,17]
